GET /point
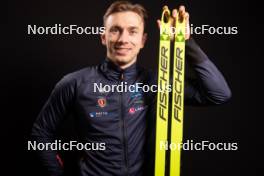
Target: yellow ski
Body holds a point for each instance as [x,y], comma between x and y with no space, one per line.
[177,98]
[177,106]
[163,93]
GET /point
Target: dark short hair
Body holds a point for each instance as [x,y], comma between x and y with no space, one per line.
[124,6]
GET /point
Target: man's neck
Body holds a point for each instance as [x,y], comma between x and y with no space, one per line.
[124,65]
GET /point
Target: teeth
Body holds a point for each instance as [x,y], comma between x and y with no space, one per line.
[121,48]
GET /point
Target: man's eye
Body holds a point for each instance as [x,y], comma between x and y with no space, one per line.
[133,32]
[114,30]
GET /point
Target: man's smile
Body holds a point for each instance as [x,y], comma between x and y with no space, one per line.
[122,50]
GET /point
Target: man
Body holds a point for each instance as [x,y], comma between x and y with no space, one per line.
[122,121]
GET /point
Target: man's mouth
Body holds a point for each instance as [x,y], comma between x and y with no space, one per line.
[122,50]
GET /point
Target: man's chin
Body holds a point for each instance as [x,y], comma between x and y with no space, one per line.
[123,61]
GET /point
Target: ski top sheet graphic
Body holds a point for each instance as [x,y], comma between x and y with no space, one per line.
[169,117]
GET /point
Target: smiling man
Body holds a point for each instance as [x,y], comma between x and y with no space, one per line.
[122,123]
[124,36]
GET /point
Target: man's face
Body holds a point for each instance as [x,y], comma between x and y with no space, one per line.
[124,37]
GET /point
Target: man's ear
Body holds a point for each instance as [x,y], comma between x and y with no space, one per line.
[103,39]
[144,39]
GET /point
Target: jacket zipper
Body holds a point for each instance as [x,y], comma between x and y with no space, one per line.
[123,128]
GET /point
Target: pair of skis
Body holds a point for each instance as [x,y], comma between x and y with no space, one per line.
[170,97]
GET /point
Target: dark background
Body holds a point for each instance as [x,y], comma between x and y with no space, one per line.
[32,64]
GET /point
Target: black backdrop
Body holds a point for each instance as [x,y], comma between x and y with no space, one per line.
[32,64]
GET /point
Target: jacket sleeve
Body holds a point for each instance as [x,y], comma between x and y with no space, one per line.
[44,128]
[209,86]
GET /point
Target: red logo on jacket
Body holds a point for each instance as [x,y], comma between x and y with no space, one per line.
[101,102]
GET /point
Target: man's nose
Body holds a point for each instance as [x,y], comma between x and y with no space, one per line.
[124,36]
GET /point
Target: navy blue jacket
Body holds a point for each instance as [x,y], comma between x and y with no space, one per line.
[124,121]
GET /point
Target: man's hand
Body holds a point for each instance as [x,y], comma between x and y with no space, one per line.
[182,15]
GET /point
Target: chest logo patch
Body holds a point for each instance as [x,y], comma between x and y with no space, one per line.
[132,110]
[101,102]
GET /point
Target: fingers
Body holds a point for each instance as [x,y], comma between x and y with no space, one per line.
[186,16]
[181,13]
[174,13]
[187,28]
[174,16]
[158,23]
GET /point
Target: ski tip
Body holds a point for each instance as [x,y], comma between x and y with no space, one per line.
[165,14]
[165,8]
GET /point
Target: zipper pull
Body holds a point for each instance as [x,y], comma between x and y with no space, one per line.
[122,76]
